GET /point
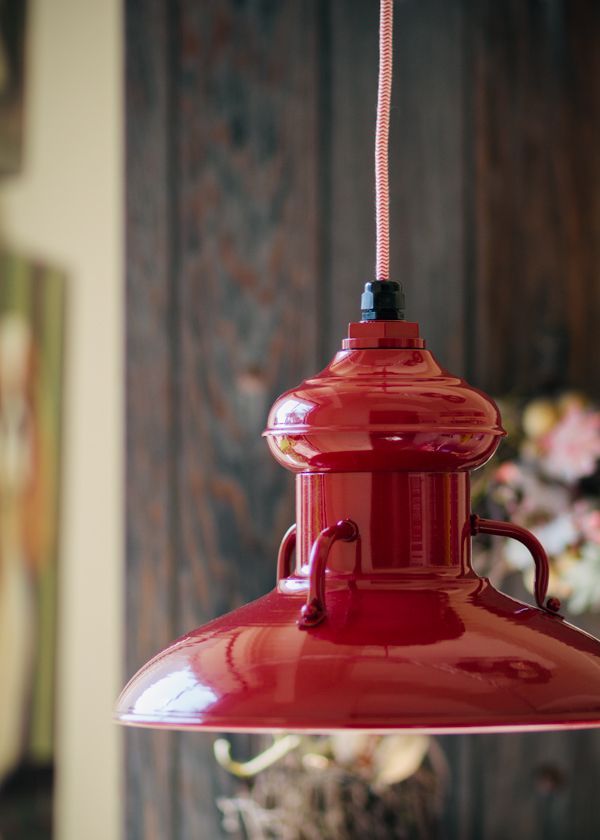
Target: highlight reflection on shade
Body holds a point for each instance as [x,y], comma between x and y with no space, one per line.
[177,692]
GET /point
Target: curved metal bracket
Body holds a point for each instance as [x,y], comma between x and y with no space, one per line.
[315,610]
[286,551]
[538,552]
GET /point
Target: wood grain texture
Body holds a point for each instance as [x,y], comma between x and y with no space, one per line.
[150,582]
[247,242]
[428,173]
[536,196]
[534,786]
[581,133]
[426,166]
[350,226]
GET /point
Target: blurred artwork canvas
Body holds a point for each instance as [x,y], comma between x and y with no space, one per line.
[31,361]
[12,73]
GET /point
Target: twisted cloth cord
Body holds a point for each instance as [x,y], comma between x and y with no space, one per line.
[382,131]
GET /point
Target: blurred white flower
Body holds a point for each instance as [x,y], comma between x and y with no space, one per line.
[555,535]
[589,525]
[584,579]
[398,757]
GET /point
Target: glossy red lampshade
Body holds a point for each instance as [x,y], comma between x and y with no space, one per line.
[377,620]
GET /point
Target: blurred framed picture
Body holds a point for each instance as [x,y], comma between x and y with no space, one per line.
[31,362]
[12,84]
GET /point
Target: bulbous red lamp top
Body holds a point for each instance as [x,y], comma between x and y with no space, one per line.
[383,404]
[377,620]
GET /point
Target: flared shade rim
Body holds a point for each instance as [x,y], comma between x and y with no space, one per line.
[466,659]
[137,721]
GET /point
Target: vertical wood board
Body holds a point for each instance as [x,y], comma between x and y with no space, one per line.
[536,194]
[247,216]
[150,757]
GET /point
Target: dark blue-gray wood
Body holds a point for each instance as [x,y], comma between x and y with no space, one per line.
[151,773]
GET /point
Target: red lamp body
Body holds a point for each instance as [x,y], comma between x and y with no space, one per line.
[377,620]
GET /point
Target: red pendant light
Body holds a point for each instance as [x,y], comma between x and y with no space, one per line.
[377,620]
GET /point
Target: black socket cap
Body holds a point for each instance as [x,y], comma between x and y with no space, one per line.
[382,300]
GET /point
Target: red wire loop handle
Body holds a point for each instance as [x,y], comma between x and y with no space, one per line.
[315,610]
[286,551]
[538,552]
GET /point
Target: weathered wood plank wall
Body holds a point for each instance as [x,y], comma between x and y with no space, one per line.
[250,232]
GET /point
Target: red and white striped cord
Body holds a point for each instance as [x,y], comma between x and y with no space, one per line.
[382,132]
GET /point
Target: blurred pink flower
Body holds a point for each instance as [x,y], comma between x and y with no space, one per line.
[508,473]
[571,449]
[589,525]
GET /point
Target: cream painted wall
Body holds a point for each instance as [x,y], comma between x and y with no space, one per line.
[66,207]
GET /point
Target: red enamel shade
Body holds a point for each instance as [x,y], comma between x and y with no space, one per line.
[380,622]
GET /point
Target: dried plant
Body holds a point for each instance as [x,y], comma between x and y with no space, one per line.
[340,787]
